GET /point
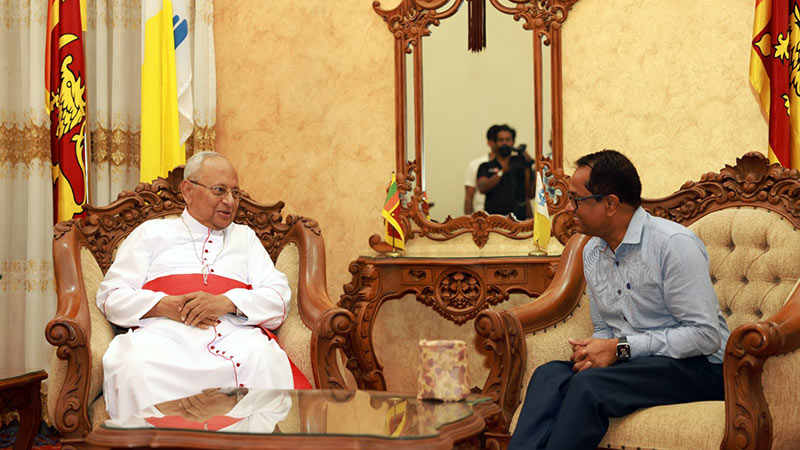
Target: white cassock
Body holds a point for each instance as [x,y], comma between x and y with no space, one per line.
[162,359]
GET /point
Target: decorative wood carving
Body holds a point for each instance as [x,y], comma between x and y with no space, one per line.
[359,298]
[331,335]
[71,413]
[751,424]
[502,335]
[104,228]
[409,22]
[457,289]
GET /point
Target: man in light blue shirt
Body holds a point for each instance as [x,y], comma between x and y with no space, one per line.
[659,335]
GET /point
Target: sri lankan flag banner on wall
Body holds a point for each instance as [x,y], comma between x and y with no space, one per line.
[391,214]
[774,73]
[65,86]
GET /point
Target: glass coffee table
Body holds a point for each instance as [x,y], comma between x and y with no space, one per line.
[273,419]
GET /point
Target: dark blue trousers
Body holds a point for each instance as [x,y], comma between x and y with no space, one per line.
[564,410]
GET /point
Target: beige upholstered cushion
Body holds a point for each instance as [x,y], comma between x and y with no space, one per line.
[696,426]
[754,261]
[294,336]
[97,412]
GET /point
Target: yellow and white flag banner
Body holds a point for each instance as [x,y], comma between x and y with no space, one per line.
[183,68]
[161,148]
[541,216]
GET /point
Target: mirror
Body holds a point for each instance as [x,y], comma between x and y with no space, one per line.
[464,93]
[446,98]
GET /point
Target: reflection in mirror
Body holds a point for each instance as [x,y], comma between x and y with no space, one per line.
[465,93]
[410,111]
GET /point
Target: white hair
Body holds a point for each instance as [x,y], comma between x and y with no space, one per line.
[196,161]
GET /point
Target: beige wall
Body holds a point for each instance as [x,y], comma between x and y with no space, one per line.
[664,82]
[306,100]
[306,112]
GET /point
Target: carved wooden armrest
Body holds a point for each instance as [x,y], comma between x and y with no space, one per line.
[562,295]
[502,335]
[70,332]
[329,323]
[747,418]
[331,333]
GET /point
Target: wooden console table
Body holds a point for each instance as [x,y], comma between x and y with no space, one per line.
[456,288]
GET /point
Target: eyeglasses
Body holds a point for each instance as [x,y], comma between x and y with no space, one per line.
[220,191]
[575,199]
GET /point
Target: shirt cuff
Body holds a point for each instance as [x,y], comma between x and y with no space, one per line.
[639,345]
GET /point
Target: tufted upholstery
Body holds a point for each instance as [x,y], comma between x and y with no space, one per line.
[753,261]
[82,334]
[747,219]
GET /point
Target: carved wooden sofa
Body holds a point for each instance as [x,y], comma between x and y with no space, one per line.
[748,215]
[83,250]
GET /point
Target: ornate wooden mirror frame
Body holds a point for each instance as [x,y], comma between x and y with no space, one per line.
[409,22]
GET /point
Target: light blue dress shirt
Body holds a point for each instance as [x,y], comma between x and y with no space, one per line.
[656,290]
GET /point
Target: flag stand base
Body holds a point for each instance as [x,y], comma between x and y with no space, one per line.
[537,252]
[394,253]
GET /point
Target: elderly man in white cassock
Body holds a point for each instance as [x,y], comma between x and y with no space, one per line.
[198,293]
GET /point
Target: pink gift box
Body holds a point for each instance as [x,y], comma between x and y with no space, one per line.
[442,370]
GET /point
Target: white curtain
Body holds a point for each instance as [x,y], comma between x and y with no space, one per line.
[113,65]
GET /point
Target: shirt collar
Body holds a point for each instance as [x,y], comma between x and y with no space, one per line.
[196,226]
[635,227]
[633,235]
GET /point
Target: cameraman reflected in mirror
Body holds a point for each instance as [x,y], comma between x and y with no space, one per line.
[505,180]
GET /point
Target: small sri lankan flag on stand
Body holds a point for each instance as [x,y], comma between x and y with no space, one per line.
[775,75]
[65,86]
[391,213]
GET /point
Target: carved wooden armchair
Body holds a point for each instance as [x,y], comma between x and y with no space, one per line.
[748,216]
[83,250]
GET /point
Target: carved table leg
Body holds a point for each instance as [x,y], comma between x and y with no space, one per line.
[30,417]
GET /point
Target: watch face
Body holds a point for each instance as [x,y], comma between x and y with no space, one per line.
[623,352]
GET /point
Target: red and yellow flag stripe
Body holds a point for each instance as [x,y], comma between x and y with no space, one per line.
[775,75]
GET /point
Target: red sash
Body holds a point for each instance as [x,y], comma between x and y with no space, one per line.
[217,285]
[193,282]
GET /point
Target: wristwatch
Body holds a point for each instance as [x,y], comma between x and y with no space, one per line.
[499,173]
[623,350]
